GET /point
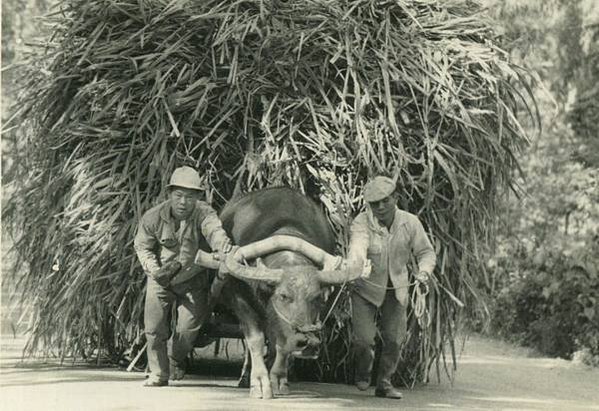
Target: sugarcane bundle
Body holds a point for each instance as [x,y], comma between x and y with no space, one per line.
[317,95]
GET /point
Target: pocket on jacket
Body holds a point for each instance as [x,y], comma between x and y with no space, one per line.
[375,245]
[169,242]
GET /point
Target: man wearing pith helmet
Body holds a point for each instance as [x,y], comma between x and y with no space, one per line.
[388,237]
[168,240]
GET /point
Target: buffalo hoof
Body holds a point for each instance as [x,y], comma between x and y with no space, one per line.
[283,389]
[280,386]
[244,382]
[261,390]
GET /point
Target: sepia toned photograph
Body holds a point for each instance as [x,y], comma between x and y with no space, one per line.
[299,205]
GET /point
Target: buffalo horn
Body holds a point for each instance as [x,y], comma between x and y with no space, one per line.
[331,273]
[347,272]
[235,266]
[287,242]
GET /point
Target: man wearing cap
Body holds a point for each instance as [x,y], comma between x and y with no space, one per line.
[167,240]
[388,237]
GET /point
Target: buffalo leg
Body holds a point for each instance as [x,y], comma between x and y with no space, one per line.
[259,381]
[278,373]
[250,325]
[244,379]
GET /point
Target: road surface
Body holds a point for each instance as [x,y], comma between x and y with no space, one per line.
[491,376]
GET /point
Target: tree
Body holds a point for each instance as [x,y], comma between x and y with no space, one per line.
[549,232]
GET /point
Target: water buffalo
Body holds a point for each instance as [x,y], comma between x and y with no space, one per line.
[289,245]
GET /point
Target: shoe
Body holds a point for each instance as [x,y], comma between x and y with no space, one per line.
[388,392]
[362,385]
[176,373]
[155,383]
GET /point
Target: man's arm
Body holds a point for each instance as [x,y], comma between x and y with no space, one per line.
[145,245]
[358,240]
[212,229]
[423,250]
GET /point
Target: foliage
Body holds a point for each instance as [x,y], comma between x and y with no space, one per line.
[549,299]
[316,95]
[541,292]
[583,114]
[19,27]
[559,40]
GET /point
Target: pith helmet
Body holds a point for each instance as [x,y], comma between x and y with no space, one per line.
[186,177]
[378,188]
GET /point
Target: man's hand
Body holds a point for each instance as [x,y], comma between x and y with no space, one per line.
[423,277]
[226,246]
[221,257]
[166,273]
[357,268]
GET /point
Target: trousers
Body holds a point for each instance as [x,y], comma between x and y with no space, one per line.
[165,350]
[393,326]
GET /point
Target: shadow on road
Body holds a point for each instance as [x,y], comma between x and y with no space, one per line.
[491,375]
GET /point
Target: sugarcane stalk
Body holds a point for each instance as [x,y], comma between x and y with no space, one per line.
[137,357]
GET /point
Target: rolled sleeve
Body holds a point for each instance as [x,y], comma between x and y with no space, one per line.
[212,228]
[358,240]
[423,249]
[145,245]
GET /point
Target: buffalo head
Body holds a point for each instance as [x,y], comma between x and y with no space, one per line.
[292,265]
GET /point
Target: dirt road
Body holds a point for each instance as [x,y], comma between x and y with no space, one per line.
[491,376]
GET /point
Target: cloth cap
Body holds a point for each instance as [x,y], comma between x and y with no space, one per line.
[378,188]
[186,177]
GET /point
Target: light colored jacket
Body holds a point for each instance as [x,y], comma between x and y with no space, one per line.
[389,252]
[157,241]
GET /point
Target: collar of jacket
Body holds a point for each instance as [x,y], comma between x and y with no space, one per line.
[374,224]
[165,211]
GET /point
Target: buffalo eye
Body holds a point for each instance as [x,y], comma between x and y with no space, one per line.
[286,298]
[318,300]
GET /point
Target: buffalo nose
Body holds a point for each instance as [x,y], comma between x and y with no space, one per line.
[301,343]
[310,352]
[313,340]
